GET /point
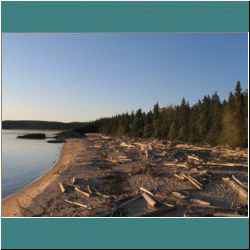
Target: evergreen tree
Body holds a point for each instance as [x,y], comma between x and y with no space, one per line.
[214,133]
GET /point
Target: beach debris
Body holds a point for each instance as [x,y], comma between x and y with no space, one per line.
[200,202]
[88,186]
[194,158]
[241,191]
[178,195]
[150,200]
[179,176]
[192,181]
[63,189]
[74,180]
[123,144]
[146,191]
[182,165]
[82,192]
[227,164]
[141,176]
[239,182]
[77,204]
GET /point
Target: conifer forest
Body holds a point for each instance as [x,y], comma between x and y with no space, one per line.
[209,121]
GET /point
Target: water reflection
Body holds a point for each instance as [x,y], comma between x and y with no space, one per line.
[25,160]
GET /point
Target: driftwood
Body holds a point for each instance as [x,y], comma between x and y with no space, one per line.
[201,203]
[82,192]
[193,182]
[77,204]
[146,191]
[106,196]
[170,164]
[74,180]
[179,176]
[61,185]
[242,192]
[239,182]
[178,195]
[197,182]
[123,144]
[182,165]
[89,189]
[150,200]
[227,164]
[193,158]
[96,191]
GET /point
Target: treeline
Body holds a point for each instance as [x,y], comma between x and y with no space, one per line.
[209,121]
[40,125]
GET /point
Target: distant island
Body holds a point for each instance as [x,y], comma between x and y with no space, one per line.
[39,125]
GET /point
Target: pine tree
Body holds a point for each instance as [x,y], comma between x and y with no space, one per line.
[214,132]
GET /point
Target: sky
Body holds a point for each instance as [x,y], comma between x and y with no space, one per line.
[82,77]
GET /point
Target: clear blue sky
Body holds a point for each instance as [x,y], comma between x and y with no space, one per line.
[84,76]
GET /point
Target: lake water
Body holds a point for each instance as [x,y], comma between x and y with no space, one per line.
[23,160]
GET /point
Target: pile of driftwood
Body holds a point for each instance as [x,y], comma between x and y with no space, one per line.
[196,167]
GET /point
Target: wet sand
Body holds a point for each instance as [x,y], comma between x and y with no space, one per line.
[25,196]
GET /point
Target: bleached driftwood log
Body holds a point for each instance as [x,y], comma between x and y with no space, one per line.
[146,191]
[193,182]
[150,200]
[123,144]
[82,192]
[242,192]
[61,185]
[193,158]
[74,180]
[227,164]
[197,182]
[179,176]
[178,195]
[200,202]
[77,204]
[239,182]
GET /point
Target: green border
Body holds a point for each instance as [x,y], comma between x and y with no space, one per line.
[111,233]
[125,16]
[123,233]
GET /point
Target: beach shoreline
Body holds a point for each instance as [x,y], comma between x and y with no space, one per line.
[36,187]
[111,176]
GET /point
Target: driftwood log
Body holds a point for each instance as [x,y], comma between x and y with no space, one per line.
[77,204]
[242,192]
[193,182]
[61,185]
[82,192]
[150,200]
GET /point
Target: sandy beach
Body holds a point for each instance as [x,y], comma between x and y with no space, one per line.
[25,196]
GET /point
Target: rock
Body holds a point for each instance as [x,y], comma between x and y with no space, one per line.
[38,136]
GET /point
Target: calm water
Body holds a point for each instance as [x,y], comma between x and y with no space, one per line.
[24,160]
